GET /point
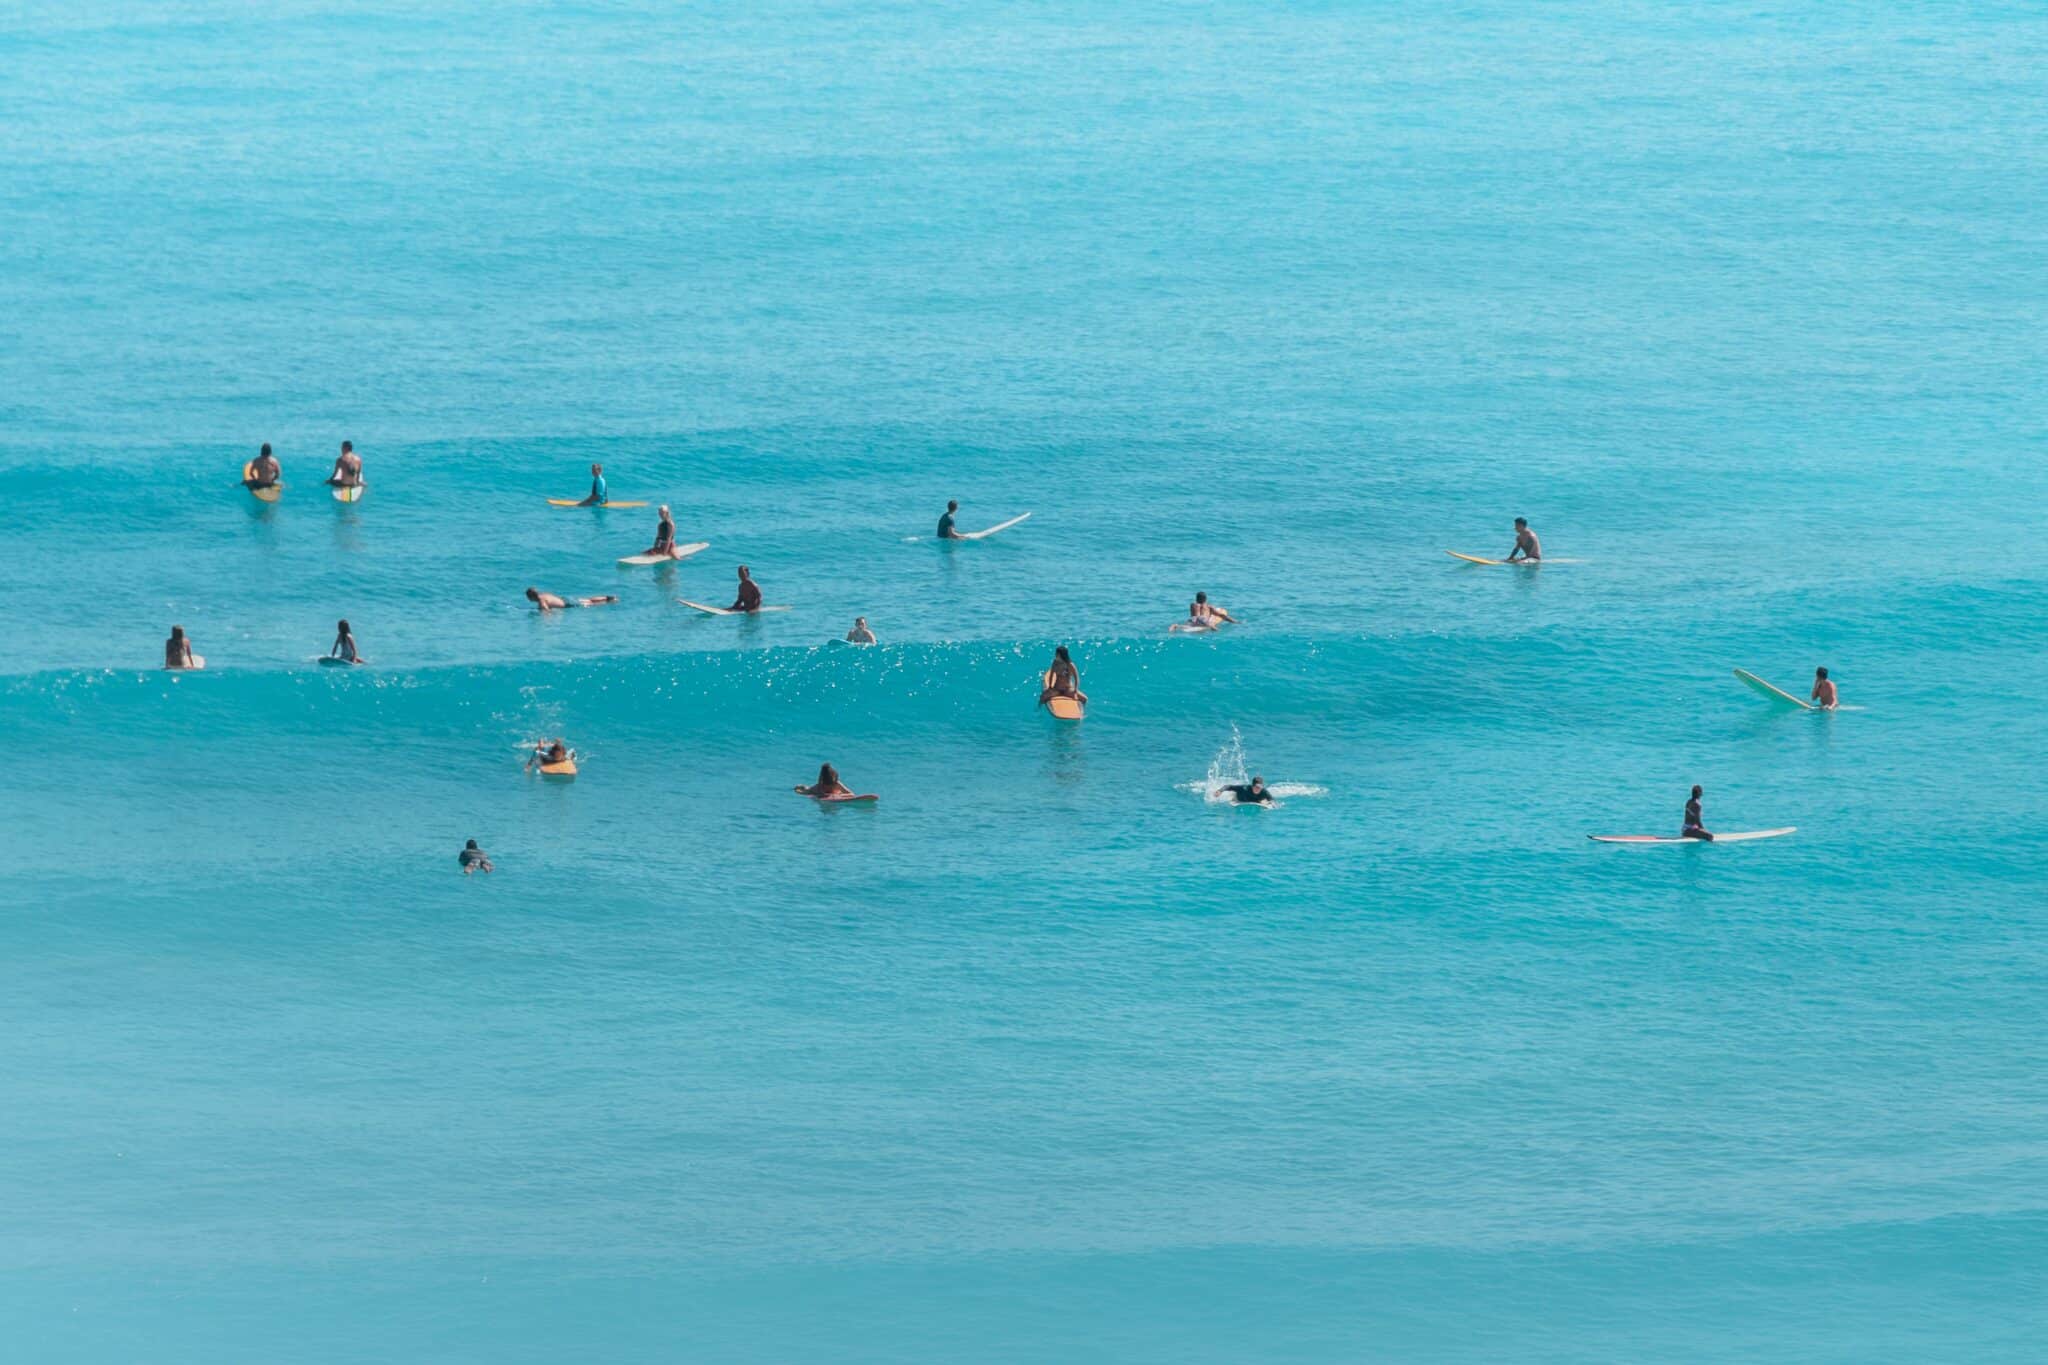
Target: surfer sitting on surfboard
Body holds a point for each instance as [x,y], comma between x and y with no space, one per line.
[348,468]
[827,785]
[664,536]
[178,650]
[548,601]
[474,859]
[344,647]
[1062,679]
[1526,544]
[549,752]
[946,531]
[860,634]
[1693,828]
[1252,793]
[1203,612]
[750,593]
[1823,694]
[263,470]
[597,489]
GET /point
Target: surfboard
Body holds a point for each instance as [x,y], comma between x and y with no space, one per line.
[726,611]
[351,493]
[1189,628]
[682,552]
[559,771]
[840,800]
[1774,693]
[578,502]
[330,661]
[999,526]
[1736,837]
[1499,563]
[1066,708]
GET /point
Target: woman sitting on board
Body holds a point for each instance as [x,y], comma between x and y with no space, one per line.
[548,601]
[1824,694]
[749,598]
[1693,828]
[344,647]
[549,752]
[828,784]
[860,634]
[178,651]
[348,468]
[664,536]
[1062,679]
[263,470]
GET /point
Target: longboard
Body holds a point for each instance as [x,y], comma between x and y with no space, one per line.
[331,661]
[578,502]
[726,611]
[270,494]
[999,526]
[682,552]
[1735,838]
[1496,563]
[840,800]
[1774,693]
[350,492]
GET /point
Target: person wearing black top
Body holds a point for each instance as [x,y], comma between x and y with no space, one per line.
[1693,829]
[1252,793]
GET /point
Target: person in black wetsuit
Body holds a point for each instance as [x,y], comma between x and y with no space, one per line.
[946,531]
[1693,828]
[474,859]
[750,593]
[1252,793]
[664,536]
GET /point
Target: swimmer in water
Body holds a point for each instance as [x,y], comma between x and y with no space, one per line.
[548,752]
[828,784]
[1824,694]
[1062,679]
[474,859]
[597,496]
[548,601]
[348,468]
[1693,828]
[1252,793]
[749,598]
[664,536]
[946,531]
[264,471]
[860,634]
[344,647]
[178,651]
[1526,544]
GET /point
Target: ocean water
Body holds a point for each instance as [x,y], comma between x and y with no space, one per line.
[1043,1057]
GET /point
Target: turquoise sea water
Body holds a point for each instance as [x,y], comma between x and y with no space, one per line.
[1042,1058]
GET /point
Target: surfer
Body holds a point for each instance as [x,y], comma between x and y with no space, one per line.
[597,488]
[1062,679]
[548,601]
[1693,828]
[474,859]
[1823,694]
[1203,612]
[664,536]
[264,471]
[348,468]
[1252,793]
[1526,544]
[860,634]
[178,650]
[828,784]
[749,598]
[549,752]
[946,531]
[344,647]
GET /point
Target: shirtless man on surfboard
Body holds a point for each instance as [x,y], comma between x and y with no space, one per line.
[348,468]
[264,471]
[1824,694]
[750,593]
[1526,544]
[548,601]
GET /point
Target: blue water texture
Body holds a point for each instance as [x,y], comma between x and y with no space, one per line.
[1044,1057]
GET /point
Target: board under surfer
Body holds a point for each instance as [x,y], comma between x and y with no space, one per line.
[548,601]
[344,646]
[1526,544]
[828,784]
[264,471]
[1062,679]
[1824,694]
[348,468]
[597,496]
[1693,829]
[474,859]
[1252,793]
[749,598]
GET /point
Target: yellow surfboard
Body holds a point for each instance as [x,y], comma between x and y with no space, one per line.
[560,771]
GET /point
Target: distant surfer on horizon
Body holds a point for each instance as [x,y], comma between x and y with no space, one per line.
[860,634]
[548,601]
[1693,828]
[178,651]
[1062,679]
[344,647]
[828,784]
[946,529]
[749,598]
[1824,695]
[348,468]
[1252,793]
[264,471]
[664,535]
[1526,544]
[474,859]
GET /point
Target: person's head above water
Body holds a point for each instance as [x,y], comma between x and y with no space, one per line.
[533,594]
[860,622]
[1698,791]
[266,450]
[470,844]
[1061,654]
[952,504]
[744,573]
[346,448]
[828,776]
[1521,523]
[1201,597]
[177,632]
[1257,782]
[597,469]
[341,626]
[1820,674]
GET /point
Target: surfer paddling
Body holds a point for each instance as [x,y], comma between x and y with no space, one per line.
[749,598]
[1062,679]
[264,471]
[1206,615]
[474,859]
[548,753]
[827,786]
[597,496]
[1526,545]
[1252,793]
[344,646]
[1824,695]
[1693,828]
[548,601]
[860,634]
[348,468]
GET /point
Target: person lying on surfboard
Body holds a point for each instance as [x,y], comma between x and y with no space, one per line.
[1526,544]
[549,751]
[750,593]
[597,488]
[1824,694]
[946,531]
[860,634]
[264,471]
[1062,679]
[548,601]
[348,468]
[1203,612]
[344,647]
[1693,828]
[178,650]
[664,536]
[1252,793]
[827,785]
[474,859]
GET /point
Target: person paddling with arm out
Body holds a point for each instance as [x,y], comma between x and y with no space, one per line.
[828,784]
[1824,694]
[1527,547]
[548,601]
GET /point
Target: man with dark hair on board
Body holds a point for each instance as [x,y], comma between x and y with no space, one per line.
[1824,694]
[1252,793]
[474,859]
[1693,828]
[263,470]
[1526,544]
[946,531]
[750,593]
[348,468]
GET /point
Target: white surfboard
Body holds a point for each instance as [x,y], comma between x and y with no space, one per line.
[1190,628]
[726,611]
[682,552]
[1736,837]
[1777,694]
[351,492]
[999,526]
